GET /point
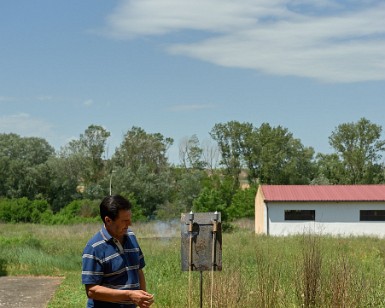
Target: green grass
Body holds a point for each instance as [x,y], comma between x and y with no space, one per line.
[258,271]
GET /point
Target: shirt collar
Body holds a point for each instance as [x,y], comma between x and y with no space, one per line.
[105,234]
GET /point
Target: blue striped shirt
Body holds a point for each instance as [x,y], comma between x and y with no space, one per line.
[108,263]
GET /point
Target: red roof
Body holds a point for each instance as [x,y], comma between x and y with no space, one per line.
[324,193]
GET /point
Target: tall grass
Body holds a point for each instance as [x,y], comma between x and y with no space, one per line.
[258,271]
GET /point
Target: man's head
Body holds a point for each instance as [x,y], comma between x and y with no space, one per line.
[115,212]
[111,205]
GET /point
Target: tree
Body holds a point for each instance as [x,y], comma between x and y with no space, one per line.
[233,143]
[64,184]
[86,154]
[359,147]
[210,155]
[276,157]
[31,150]
[216,195]
[140,148]
[187,186]
[22,161]
[190,153]
[141,167]
[330,169]
[242,204]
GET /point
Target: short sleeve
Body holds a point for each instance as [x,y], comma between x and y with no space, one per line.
[92,269]
[141,259]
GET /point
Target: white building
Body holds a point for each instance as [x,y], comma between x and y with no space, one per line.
[322,209]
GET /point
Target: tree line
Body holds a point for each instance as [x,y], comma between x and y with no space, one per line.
[222,174]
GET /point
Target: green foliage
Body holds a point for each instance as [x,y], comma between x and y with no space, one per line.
[22,166]
[271,154]
[24,210]
[242,204]
[137,210]
[169,211]
[187,187]
[140,167]
[359,148]
[233,140]
[81,170]
[64,182]
[38,211]
[31,150]
[140,149]
[86,154]
[330,169]
[210,200]
[218,195]
[150,189]
[191,153]
[276,157]
[79,209]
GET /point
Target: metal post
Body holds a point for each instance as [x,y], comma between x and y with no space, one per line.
[112,171]
[190,230]
[213,254]
[190,262]
[201,289]
[215,229]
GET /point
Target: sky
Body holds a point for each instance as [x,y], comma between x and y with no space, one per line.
[179,67]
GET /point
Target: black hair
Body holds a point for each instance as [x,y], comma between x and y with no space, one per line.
[111,205]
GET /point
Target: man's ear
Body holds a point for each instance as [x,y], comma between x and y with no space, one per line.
[107,219]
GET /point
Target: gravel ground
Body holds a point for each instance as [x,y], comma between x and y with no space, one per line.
[27,291]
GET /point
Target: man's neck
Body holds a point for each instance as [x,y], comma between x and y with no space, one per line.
[120,238]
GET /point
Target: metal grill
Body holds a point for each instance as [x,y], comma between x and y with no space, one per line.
[201,247]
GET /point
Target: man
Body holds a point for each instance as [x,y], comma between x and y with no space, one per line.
[113,261]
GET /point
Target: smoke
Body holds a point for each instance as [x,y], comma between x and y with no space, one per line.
[166,229]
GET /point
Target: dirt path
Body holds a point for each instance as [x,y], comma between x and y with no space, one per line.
[27,291]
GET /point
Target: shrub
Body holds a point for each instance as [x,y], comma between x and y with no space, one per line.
[242,204]
[77,211]
[23,210]
[39,211]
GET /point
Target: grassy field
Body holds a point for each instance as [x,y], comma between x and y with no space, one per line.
[258,271]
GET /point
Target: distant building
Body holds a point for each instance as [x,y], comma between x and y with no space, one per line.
[322,209]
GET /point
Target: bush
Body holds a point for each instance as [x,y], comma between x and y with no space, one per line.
[77,211]
[242,204]
[23,210]
[137,211]
[39,211]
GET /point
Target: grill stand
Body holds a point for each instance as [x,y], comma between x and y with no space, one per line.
[201,247]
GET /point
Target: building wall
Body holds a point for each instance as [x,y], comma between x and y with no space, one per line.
[330,218]
[260,213]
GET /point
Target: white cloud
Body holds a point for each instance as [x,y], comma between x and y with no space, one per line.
[153,17]
[25,125]
[328,40]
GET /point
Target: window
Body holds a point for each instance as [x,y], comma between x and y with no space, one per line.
[372,215]
[299,214]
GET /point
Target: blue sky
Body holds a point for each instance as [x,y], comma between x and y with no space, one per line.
[179,67]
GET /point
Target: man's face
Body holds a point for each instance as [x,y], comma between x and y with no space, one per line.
[118,227]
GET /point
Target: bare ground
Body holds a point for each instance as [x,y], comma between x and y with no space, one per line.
[27,291]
